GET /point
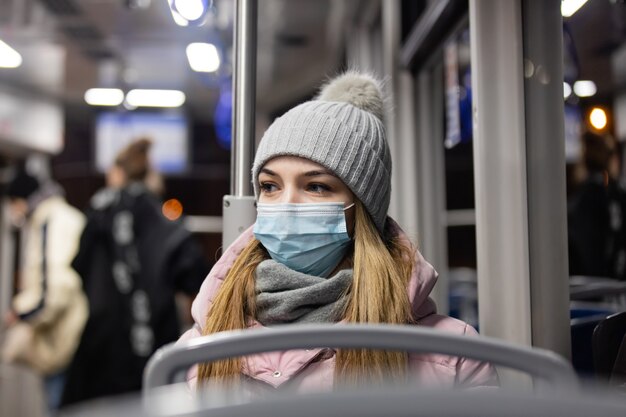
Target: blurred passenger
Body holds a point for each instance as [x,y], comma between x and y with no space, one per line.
[49,310]
[132,261]
[323,250]
[597,234]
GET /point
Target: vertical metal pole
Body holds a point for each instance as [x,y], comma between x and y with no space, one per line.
[406,132]
[244,96]
[400,123]
[6,260]
[391,42]
[239,212]
[500,170]
[432,232]
[519,164]
[545,151]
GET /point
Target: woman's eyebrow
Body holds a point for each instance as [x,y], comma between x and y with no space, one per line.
[268,172]
[318,172]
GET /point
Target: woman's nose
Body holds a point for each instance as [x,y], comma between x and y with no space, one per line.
[291,195]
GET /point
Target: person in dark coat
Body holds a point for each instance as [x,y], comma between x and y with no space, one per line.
[597,233]
[132,261]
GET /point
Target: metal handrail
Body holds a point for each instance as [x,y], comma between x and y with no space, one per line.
[545,365]
[386,401]
[597,289]
[409,403]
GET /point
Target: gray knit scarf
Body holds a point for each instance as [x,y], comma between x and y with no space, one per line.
[288,296]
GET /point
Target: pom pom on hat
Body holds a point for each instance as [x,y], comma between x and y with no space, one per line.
[361,90]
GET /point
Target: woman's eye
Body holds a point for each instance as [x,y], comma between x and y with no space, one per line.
[318,188]
[267,187]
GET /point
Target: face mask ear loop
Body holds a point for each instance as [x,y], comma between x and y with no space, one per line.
[344,211]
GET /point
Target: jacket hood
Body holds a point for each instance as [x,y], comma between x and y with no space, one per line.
[46,191]
[422,280]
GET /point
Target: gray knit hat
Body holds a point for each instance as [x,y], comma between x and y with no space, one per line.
[342,130]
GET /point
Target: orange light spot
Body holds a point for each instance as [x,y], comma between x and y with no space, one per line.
[172,209]
[598,118]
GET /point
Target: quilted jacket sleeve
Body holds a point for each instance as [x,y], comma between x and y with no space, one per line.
[472,373]
[192,374]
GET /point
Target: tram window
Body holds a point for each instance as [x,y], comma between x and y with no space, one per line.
[458,123]
[459,177]
[594,67]
[462,247]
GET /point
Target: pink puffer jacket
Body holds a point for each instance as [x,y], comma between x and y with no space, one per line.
[312,369]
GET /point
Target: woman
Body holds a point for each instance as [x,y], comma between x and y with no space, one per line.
[597,234]
[49,311]
[323,250]
[133,261]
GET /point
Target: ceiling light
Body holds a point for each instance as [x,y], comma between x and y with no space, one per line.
[178,19]
[567,90]
[190,9]
[155,98]
[203,57]
[104,96]
[585,88]
[9,57]
[598,118]
[569,7]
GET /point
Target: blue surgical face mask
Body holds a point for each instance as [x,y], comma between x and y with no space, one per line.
[311,238]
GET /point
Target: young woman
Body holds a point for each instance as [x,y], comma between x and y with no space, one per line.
[323,251]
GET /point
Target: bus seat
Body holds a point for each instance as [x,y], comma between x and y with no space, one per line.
[608,343]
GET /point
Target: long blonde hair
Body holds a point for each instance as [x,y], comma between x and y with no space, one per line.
[378,294]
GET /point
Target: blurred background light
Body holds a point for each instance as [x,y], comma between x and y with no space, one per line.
[104,96]
[567,90]
[569,7]
[9,57]
[585,88]
[155,98]
[172,209]
[190,10]
[223,115]
[179,20]
[598,118]
[138,4]
[203,57]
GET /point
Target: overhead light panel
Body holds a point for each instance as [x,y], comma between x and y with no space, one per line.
[104,96]
[178,19]
[187,12]
[569,7]
[155,98]
[585,88]
[190,10]
[9,57]
[203,57]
